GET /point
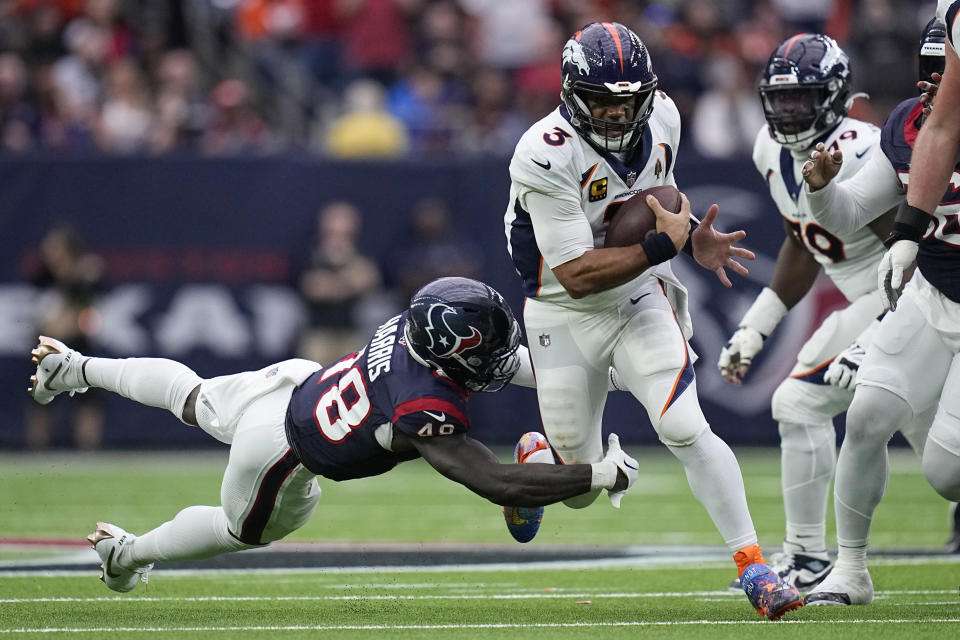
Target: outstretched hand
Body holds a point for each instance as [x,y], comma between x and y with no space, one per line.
[822,167]
[715,251]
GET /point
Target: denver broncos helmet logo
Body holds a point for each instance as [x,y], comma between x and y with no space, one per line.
[444,341]
[573,53]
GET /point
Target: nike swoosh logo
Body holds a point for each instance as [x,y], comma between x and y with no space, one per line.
[110,573]
[52,376]
[545,165]
[637,299]
[441,417]
[860,155]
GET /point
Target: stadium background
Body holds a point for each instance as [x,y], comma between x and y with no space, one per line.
[192,142]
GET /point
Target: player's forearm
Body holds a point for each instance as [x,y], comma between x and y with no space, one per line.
[531,485]
[601,269]
[935,152]
[845,207]
[932,162]
[794,273]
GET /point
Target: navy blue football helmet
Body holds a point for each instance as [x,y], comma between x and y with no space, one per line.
[606,64]
[805,89]
[933,50]
[466,331]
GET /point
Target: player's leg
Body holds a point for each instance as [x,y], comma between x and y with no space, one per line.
[804,406]
[571,382]
[155,382]
[898,381]
[655,363]
[266,493]
[941,456]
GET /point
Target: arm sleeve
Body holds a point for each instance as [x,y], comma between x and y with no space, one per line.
[849,205]
[524,376]
[562,230]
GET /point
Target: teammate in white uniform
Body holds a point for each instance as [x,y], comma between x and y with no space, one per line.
[589,307]
[911,370]
[806,93]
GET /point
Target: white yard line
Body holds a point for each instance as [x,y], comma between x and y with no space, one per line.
[545,595]
[431,627]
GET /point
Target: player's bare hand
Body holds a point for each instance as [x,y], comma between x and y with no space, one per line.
[717,251]
[929,92]
[675,225]
[822,166]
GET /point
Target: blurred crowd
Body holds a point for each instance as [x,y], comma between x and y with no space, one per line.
[394,78]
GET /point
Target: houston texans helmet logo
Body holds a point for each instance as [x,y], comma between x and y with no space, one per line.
[444,341]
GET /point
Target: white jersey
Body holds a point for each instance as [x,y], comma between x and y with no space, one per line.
[552,159]
[947,14]
[848,256]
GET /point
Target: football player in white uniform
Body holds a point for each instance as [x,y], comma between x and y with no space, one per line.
[911,365]
[588,307]
[806,93]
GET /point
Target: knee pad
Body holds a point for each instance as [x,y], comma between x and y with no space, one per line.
[683,422]
[876,414]
[802,402]
[573,433]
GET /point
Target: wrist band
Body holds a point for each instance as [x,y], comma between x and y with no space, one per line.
[909,224]
[659,248]
[688,247]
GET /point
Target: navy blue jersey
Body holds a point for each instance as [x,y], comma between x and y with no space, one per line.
[939,256]
[334,416]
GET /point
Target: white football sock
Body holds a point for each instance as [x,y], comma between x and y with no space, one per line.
[194,533]
[861,480]
[155,382]
[714,476]
[807,456]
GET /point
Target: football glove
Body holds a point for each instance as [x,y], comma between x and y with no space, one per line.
[842,372]
[758,322]
[606,471]
[898,257]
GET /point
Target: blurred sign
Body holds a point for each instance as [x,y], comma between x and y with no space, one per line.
[202,255]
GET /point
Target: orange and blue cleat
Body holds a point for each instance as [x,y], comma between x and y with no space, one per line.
[769,595]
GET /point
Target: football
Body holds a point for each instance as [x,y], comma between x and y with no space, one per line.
[634,220]
[524,522]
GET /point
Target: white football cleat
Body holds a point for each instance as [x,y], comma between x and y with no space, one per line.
[803,570]
[59,369]
[842,587]
[109,540]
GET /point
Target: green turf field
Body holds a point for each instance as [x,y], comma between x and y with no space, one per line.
[61,496]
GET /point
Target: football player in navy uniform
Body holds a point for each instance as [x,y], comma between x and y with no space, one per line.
[806,92]
[910,364]
[403,396]
[589,307]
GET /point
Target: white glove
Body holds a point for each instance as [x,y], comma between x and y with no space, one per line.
[759,321]
[605,471]
[901,255]
[744,344]
[842,372]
